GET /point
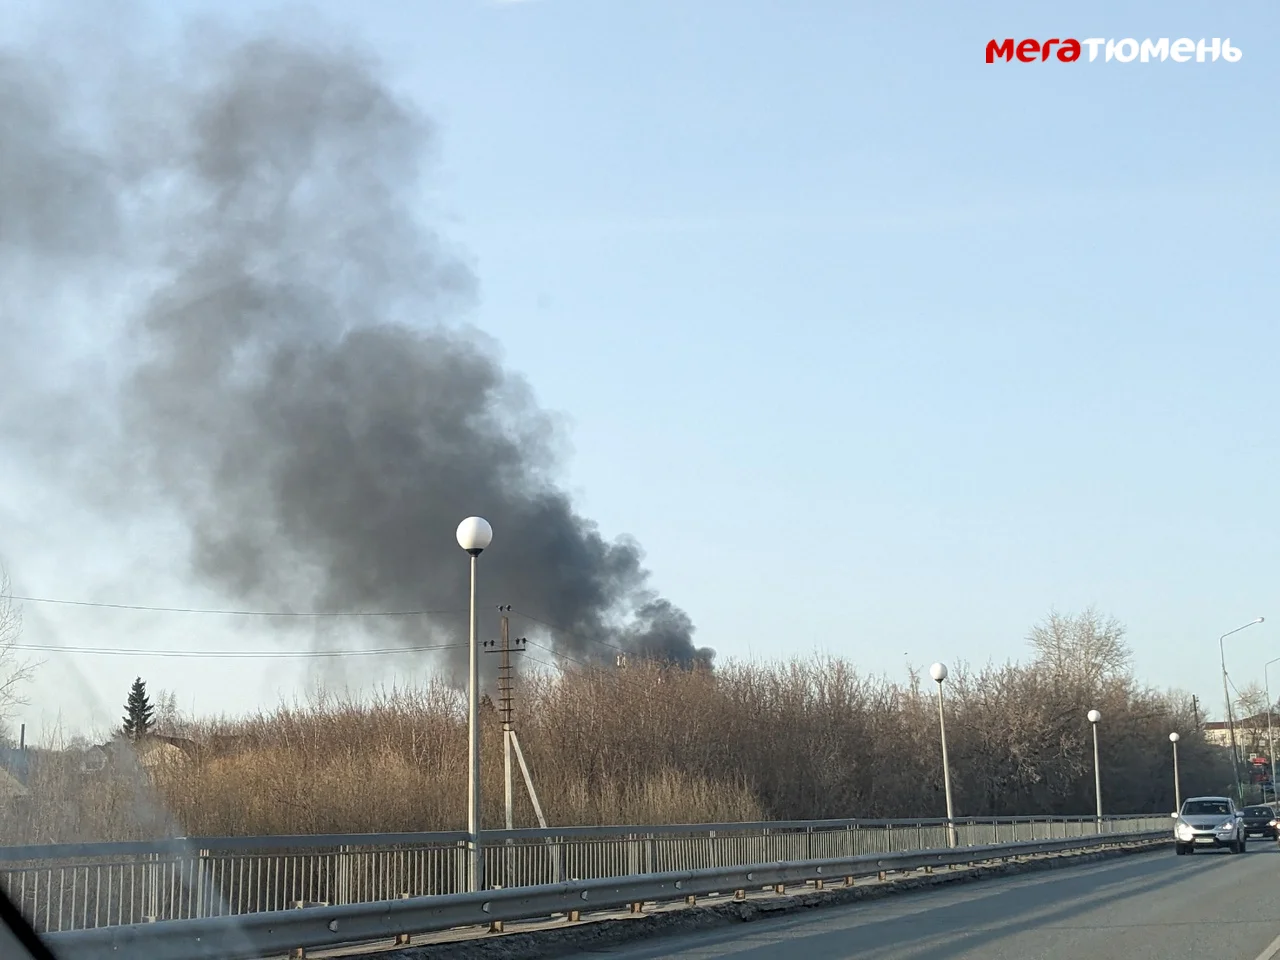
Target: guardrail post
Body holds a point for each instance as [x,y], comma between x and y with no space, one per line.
[573,916]
[298,953]
[495,926]
[403,938]
[637,908]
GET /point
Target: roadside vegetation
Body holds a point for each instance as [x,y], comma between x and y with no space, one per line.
[807,738]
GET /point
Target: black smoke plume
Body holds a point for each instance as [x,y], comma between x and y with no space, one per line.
[300,395]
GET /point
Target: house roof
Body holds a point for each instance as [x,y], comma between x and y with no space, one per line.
[151,750]
[1257,721]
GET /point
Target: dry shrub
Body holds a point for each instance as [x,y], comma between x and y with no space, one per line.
[669,796]
[807,738]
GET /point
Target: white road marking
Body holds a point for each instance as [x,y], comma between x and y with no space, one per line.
[1273,948]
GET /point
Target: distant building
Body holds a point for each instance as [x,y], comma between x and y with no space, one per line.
[150,752]
[94,760]
[1251,732]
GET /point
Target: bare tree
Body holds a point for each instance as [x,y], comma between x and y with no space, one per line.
[1084,649]
[169,720]
[1251,719]
[15,671]
[1251,700]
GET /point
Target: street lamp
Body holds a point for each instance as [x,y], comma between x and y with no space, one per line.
[1271,743]
[939,673]
[474,534]
[1094,717]
[1177,784]
[1231,725]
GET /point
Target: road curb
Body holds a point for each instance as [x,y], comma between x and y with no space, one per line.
[546,944]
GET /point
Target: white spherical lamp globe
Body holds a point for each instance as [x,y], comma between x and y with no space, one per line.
[1174,738]
[1094,716]
[474,534]
[938,671]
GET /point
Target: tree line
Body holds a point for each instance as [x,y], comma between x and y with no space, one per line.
[799,739]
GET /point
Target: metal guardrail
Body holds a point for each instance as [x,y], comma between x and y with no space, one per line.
[65,887]
[276,933]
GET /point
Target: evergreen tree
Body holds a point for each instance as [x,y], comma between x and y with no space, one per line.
[138,719]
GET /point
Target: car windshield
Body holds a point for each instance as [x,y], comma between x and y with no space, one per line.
[362,585]
[1259,812]
[1206,808]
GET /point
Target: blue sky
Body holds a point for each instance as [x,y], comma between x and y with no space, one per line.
[875,347]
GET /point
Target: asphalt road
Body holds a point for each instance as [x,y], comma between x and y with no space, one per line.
[1208,906]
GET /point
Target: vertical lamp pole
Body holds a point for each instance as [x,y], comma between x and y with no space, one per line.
[1094,717]
[939,673]
[474,534]
[1226,696]
[1271,742]
[1177,783]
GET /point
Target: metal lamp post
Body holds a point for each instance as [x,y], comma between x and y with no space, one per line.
[939,673]
[1094,717]
[474,534]
[1226,696]
[1177,783]
[1271,743]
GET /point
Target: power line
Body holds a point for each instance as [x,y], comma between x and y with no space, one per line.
[562,656]
[541,663]
[284,654]
[234,654]
[1240,697]
[570,633]
[620,675]
[234,613]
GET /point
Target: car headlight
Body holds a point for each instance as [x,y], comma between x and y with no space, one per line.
[1185,831]
[1229,825]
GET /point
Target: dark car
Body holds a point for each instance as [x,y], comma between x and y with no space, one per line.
[1260,822]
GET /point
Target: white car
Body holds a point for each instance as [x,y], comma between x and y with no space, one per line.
[1209,822]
